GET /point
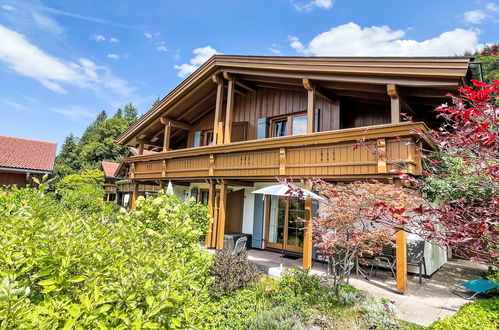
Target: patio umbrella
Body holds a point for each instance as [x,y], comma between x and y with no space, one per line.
[169,188]
[284,191]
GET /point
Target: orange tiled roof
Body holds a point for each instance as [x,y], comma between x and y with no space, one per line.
[109,168]
[18,153]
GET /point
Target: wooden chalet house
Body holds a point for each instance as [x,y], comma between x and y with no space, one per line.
[238,122]
[109,169]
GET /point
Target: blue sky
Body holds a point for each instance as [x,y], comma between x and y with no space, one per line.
[61,62]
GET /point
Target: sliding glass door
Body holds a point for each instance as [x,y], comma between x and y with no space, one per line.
[284,225]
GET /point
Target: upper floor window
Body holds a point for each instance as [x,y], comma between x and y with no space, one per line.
[295,123]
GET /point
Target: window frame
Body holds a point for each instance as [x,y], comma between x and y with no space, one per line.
[289,117]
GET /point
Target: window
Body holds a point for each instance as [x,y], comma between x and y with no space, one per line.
[294,123]
[280,127]
[208,138]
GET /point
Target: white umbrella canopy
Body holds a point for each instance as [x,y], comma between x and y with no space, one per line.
[284,191]
[169,188]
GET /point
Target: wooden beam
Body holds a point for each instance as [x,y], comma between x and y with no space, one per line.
[309,86]
[166,137]
[395,103]
[141,147]
[211,205]
[307,237]
[401,261]
[196,106]
[135,195]
[218,110]
[221,216]
[229,112]
[245,86]
[238,183]
[175,123]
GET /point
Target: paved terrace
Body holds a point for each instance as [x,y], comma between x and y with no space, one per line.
[422,304]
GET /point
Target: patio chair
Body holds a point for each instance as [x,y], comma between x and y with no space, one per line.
[240,245]
[476,286]
[415,257]
[385,260]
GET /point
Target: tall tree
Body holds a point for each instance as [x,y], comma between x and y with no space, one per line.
[131,113]
[67,161]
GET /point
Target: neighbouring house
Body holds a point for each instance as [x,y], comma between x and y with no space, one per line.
[109,169]
[125,186]
[238,122]
[21,160]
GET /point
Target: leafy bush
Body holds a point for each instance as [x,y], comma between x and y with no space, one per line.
[379,313]
[279,318]
[481,314]
[59,268]
[231,272]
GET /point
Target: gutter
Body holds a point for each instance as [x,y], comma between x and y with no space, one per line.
[11,169]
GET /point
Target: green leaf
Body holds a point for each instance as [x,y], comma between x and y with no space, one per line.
[76,279]
[46,282]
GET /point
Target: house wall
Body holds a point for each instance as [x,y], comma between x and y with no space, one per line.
[16,178]
[268,103]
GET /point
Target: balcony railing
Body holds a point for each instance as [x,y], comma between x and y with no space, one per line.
[322,154]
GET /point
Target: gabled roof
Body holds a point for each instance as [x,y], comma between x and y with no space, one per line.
[26,154]
[404,71]
[109,168]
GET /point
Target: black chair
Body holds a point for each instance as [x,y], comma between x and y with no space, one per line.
[387,260]
[415,256]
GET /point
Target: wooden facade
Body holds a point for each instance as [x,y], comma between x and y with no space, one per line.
[240,120]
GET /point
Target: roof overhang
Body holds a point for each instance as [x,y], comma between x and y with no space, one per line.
[428,72]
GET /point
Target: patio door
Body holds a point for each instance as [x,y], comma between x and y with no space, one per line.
[284,228]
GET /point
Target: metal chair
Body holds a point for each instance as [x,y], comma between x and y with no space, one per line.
[240,245]
[415,257]
[385,260]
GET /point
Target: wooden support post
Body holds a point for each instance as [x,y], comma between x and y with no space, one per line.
[141,147]
[211,170]
[229,111]
[218,109]
[135,194]
[221,216]
[166,138]
[211,205]
[307,237]
[310,104]
[395,103]
[401,261]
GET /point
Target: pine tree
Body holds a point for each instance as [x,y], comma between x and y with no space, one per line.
[131,113]
[67,162]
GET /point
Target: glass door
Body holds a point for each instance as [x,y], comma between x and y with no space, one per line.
[284,229]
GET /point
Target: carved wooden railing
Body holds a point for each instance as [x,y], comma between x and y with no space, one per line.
[322,154]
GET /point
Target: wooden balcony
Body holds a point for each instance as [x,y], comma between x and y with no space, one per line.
[323,154]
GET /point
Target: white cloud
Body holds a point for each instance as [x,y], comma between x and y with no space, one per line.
[30,61]
[113,56]
[275,51]
[113,39]
[202,54]
[47,23]
[352,40]
[99,37]
[310,5]
[15,105]
[74,112]
[161,47]
[475,16]
[8,7]
[492,7]
[147,35]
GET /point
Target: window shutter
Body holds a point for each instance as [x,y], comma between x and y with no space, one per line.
[257,237]
[317,127]
[262,128]
[198,138]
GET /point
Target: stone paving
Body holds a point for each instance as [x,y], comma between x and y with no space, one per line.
[422,304]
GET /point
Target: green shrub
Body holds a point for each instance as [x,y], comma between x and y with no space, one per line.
[279,318]
[481,314]
[231,272]
[379,313]
[60,268]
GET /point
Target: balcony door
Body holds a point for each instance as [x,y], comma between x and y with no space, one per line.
[284,229]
